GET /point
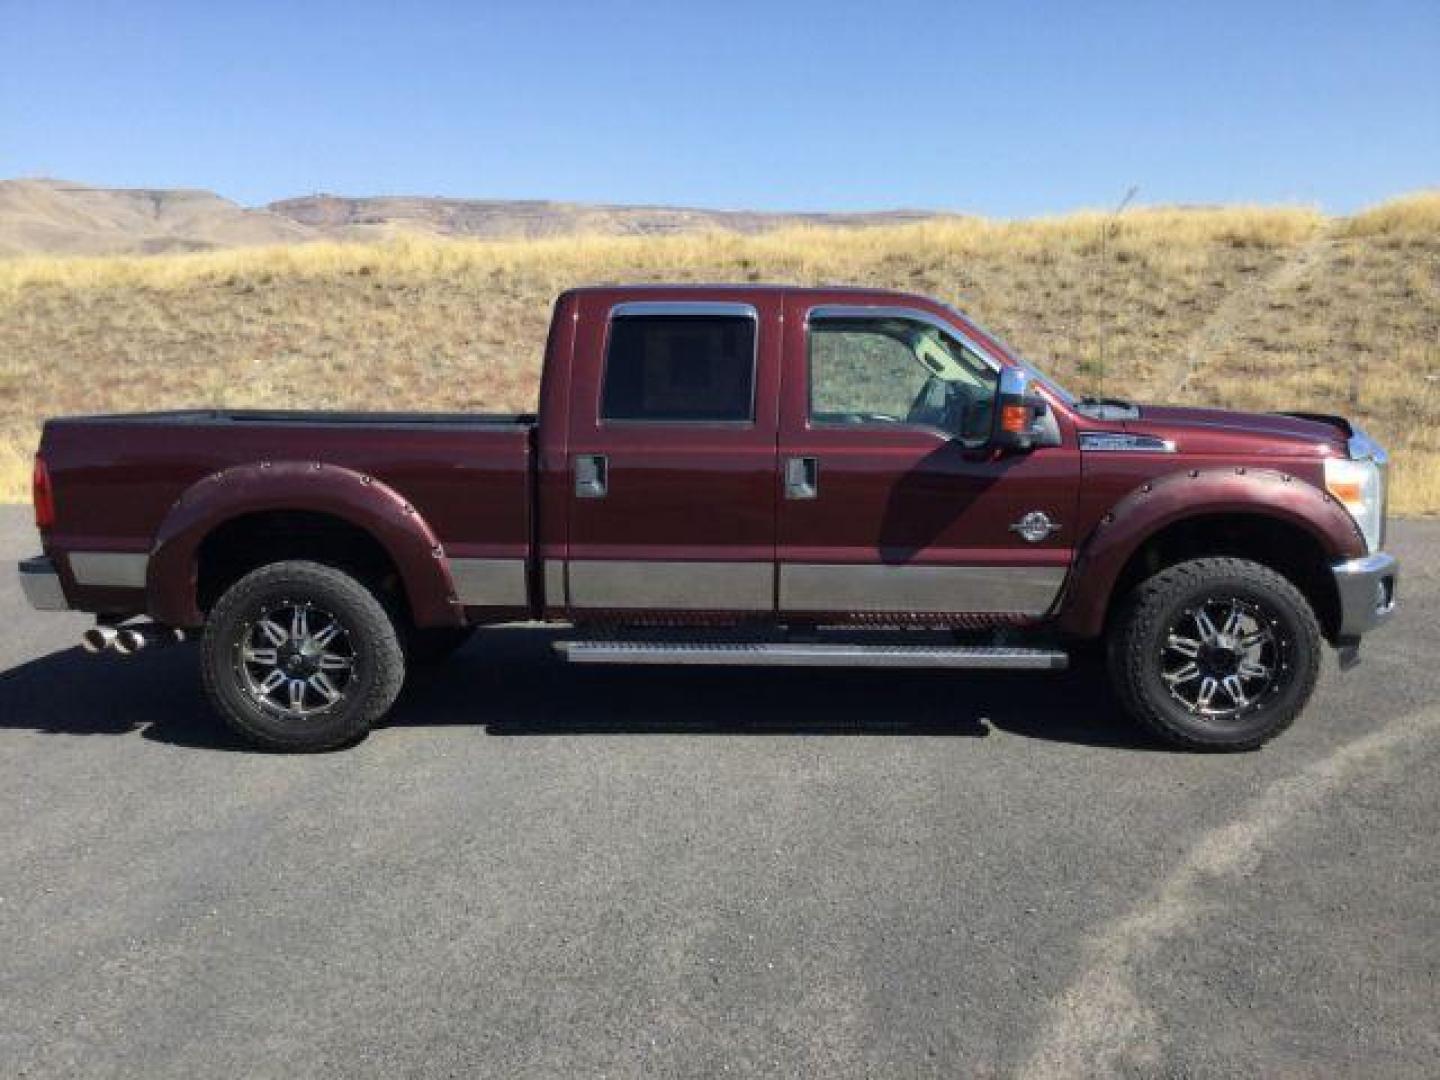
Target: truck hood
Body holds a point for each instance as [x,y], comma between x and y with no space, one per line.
[1223,431]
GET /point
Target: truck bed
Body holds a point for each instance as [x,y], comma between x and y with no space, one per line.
[116,478]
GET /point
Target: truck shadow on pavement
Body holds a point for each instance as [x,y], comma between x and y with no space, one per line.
[513,685]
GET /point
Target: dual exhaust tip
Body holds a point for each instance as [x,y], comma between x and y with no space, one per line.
[129,640]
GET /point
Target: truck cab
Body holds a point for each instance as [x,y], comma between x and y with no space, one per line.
[733,475]
[821,456]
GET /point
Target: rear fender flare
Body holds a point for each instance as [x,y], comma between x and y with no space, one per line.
[360,500]
[1154,505]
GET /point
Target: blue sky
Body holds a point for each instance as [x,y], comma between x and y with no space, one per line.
[1004,108]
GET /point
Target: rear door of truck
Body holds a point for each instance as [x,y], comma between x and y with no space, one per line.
[672,454]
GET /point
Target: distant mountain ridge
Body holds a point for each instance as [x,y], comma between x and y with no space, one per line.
[60,217]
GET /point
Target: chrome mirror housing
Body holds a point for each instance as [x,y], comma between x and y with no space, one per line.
[1022,418]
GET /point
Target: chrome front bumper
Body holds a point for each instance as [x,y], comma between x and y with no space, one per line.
[1366,587]
[41,584]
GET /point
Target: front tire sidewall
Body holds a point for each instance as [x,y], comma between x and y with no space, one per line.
[375,679]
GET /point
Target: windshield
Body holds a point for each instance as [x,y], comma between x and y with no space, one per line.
[1069,399]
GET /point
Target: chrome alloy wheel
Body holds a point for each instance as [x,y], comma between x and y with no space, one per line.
[295,659]
[1224,658]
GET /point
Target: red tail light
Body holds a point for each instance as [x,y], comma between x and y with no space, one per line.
[44,495]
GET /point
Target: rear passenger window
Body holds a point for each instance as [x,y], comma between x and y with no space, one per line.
[680,368]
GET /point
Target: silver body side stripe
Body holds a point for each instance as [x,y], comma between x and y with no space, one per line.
[1027,590]
[490,582]
[748,586]
[555,582]
[109,569]
[676,586]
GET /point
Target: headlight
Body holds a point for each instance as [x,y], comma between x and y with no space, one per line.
[1359,486]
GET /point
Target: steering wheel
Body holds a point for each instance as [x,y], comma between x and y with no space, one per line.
[953,407]
[944,405]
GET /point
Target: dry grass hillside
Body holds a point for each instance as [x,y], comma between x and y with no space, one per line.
[57,217]
[1247,307]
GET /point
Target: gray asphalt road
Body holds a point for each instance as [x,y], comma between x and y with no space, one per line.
[539,871]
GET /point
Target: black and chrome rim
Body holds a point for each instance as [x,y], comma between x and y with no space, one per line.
[1224,658]
[295,659]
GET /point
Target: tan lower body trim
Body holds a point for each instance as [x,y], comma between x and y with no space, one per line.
[109,569]
[490,582]
[555,583]
[805,587]
[674,586]
[1023,590]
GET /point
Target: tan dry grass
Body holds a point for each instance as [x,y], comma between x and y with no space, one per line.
[423,323]
[1415,217]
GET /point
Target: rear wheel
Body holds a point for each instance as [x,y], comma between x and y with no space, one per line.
[1215,654]
[301,656]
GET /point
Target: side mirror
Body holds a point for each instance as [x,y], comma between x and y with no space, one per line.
[1019,415]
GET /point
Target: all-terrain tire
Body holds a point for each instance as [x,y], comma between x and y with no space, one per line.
[1142,628]
[373,642]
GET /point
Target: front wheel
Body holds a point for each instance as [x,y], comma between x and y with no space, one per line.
[301,656]
[1215,654]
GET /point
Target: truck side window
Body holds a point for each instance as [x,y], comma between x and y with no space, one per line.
[888,371]
[679,369]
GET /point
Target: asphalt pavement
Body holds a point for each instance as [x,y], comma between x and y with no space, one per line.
[537,870]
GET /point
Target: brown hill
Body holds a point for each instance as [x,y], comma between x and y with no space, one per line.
[57,217]
[61,218]
[340,218]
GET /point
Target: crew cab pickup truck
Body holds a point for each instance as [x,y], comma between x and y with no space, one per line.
[736,475]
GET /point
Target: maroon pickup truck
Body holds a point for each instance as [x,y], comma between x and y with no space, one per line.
[738,475]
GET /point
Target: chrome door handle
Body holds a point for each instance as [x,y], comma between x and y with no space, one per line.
[592,476]
[802,478]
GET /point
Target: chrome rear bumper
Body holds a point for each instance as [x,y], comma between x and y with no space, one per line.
[1367,591]
[41,584]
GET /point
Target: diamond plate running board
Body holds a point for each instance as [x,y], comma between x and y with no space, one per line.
[973,657]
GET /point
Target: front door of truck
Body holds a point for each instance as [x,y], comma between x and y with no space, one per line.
[672,456]
[893,509]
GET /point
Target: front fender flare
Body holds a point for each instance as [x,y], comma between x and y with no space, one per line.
[1196,493]
[360,500]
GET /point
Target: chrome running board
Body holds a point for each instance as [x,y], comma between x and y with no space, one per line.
[811,654]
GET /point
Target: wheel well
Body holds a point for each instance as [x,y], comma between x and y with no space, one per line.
[246,543]
[1285,548]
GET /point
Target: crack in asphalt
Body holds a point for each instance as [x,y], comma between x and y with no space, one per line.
[1099,1025]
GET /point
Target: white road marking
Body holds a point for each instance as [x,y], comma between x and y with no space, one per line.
[1099,1025]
